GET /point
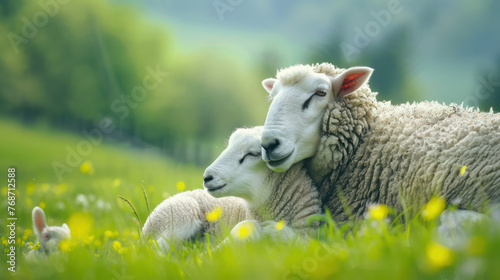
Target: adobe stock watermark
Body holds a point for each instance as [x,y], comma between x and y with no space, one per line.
[363,37]
[39,19]
[483,91]
[309,264]
[223,6]
[122,106]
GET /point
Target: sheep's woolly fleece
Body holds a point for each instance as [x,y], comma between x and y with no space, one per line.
[375,152]
[293,199]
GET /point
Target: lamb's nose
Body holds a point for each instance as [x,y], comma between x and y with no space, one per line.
[271,145]
[208,178]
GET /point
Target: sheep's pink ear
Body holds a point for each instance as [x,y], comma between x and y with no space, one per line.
[268,84]
[38,220]
[351,80]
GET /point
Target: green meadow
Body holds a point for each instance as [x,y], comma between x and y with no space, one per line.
[106,242]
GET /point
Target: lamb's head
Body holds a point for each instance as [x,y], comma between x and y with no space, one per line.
[48,236]
[300,96]
[239,170]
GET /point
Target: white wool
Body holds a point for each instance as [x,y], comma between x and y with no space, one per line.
[371,151]
[183,217]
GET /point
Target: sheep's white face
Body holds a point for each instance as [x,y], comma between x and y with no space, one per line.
[239,170]
[292,128]
[293,125]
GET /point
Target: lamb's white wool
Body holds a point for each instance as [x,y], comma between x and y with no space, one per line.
[239,171]
[363,151]
[261,196]
[184,217]
[48,236]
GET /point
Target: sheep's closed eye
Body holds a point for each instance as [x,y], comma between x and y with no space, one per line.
[249,154]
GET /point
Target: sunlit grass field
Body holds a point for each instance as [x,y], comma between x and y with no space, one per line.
[105,241]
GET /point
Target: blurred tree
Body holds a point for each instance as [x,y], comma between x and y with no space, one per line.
[392,53]
[89,61]
[487,92]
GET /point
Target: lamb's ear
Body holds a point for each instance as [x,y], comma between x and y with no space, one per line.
[39,223]
[268,84]
[350,81]
[65,226]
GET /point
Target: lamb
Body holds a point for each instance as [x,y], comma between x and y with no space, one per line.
[290,196]
[262,198]
[361,151]
[48,236]
[184,217]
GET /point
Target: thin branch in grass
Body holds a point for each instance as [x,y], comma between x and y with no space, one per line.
[133,208]
[145,198]
[137,222]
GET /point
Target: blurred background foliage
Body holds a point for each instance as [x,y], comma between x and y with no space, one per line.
[90,54]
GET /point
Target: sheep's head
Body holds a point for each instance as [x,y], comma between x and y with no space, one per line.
[48,236]
[239,170]
[300,96]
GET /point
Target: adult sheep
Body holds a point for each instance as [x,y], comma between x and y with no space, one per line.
[248,193]
[364,151]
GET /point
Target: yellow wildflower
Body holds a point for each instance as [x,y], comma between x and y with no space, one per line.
[42,205]
[87,240]
[476,245]
[117,245]
[29,202]
[80,224]
[117,182]
[97,243]
[60,189]
[462,170]
[151,188]
[30,188]
[122,251]
[433,208]
[280,225]
[108,234]
[245,230]
[214,215]
[438,256]
[36,246]
[5,242]
[378,211]
[45,187]
[64,245]
[5,190]
[180,186]
[87,168]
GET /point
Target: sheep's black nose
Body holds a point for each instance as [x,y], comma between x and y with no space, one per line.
[269,147]
[208,178]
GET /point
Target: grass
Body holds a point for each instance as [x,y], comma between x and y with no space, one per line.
[105,240]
